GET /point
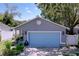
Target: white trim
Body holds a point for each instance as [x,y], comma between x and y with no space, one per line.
[43,31]
[27,36]
[47,31]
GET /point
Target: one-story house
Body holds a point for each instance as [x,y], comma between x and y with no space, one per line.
[6,32]
[41,32]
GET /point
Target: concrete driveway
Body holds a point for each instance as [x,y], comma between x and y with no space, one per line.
[45,51]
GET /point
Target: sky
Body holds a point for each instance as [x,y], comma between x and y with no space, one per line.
[28,11]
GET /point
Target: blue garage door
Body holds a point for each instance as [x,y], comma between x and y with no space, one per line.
[44,39]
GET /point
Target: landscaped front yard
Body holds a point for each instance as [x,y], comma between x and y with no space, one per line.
[16,48]
[6,49]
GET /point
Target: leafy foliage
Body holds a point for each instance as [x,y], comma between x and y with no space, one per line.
[1,17]
[8,44]
[20,47]
[7,49]
[0,38]
[66,14]
[8,16]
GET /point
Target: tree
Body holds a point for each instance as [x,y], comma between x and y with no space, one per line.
[51,11]
[11,11]
[8,19]
[66,14]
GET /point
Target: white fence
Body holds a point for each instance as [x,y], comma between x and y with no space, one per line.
[7,35]
[72,40]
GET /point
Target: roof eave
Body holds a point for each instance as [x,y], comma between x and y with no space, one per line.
[43,19]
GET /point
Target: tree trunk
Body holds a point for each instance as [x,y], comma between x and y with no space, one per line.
[71,31]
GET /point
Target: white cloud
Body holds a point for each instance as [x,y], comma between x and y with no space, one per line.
[29,11]
[36,8]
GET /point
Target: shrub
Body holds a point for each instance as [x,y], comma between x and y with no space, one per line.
[2,47]
[19,47]
[8,44]
[7,49]
[13,51]
[18,39]
[0,37]
[6,52]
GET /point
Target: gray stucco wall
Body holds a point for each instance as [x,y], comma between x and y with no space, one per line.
[44,26]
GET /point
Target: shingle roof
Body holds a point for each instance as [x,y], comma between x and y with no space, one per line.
[4,27]
[43,19]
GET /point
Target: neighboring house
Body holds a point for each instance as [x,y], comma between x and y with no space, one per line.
[6,32]
[41,32]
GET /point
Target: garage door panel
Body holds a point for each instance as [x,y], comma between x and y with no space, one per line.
[44,39]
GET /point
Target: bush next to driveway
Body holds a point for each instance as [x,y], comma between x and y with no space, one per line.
[7,49]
